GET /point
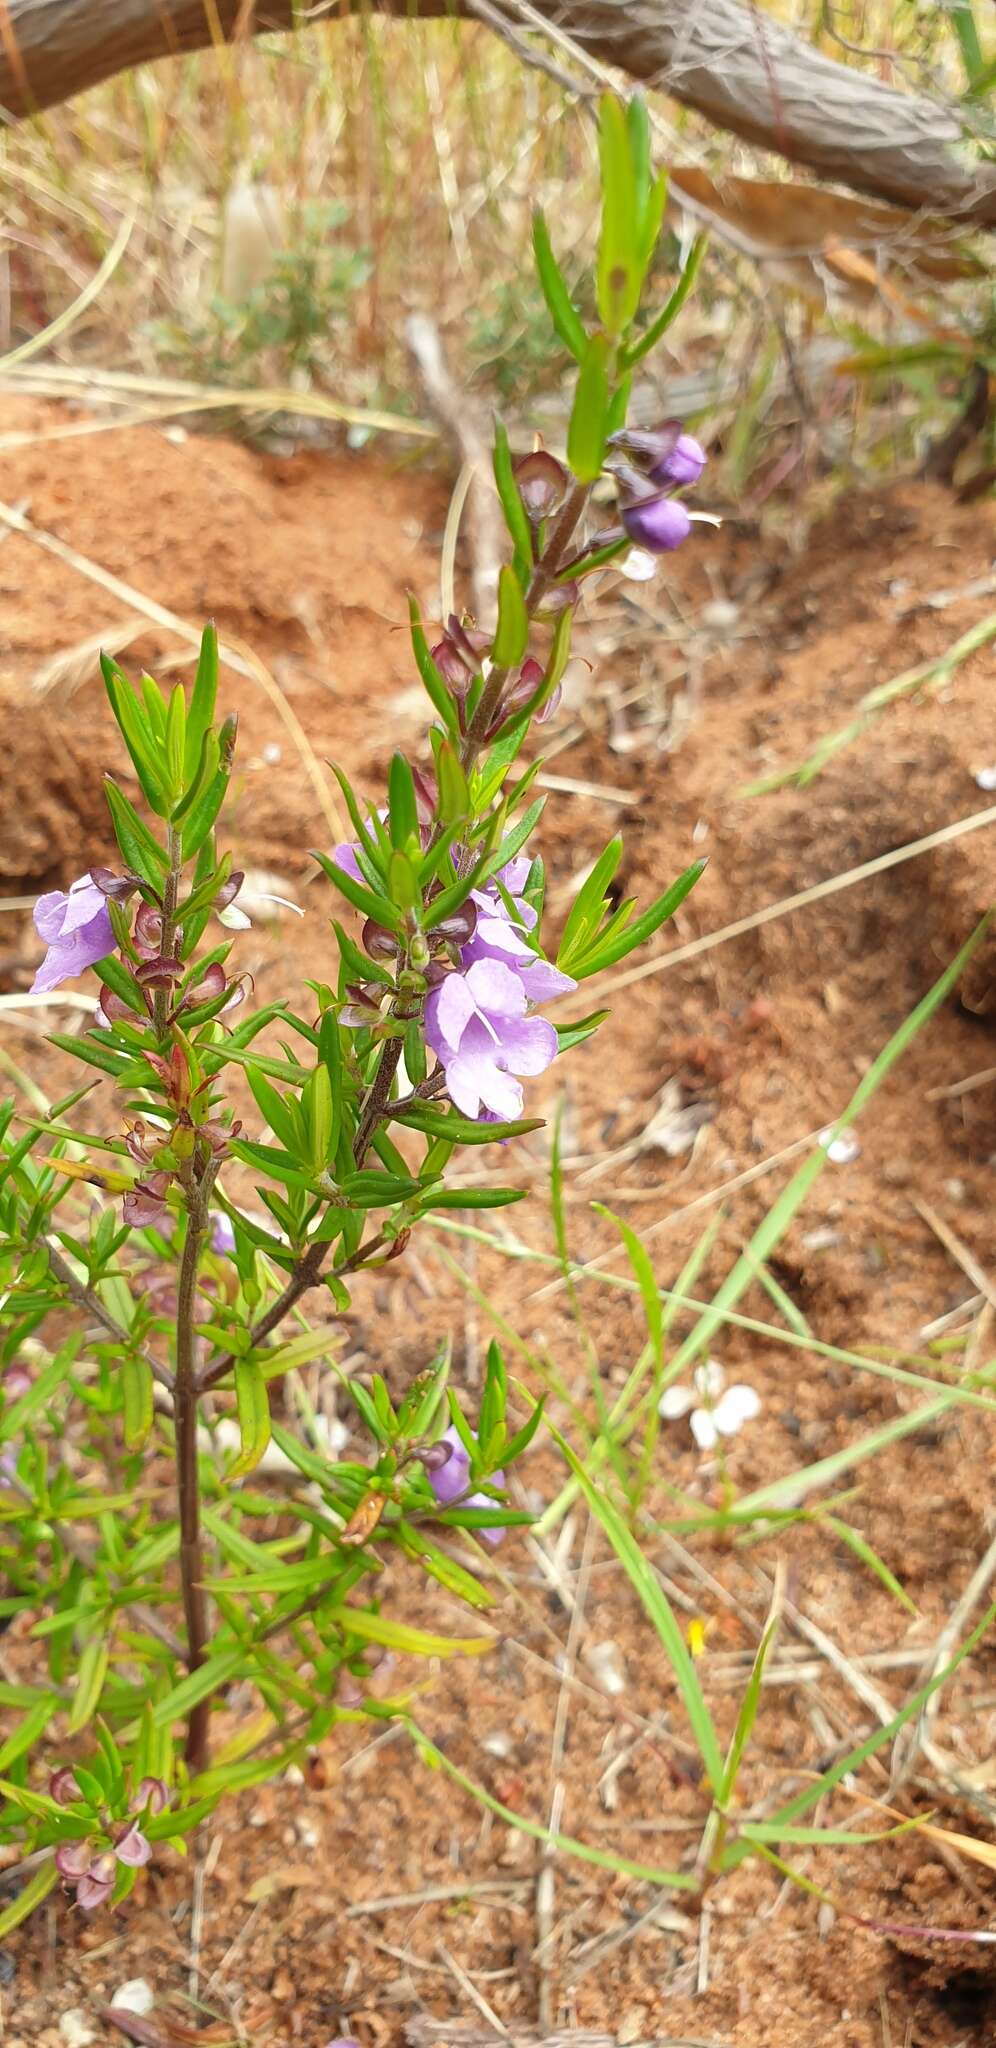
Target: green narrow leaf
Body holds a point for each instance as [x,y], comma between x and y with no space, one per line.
[176,737]
[560,306]
[589,903]
[669,313]
[202,700]
[512,636]
[603,1859]
[91,1673]
[432,682]
[139,848]
[745,1719]
[402,808]
[281,1113]
[654,1599]
[643,1273]
[606,951]
[135,1378]
[253,1405]
[316,1109]
[586,434]
[618,277]
[132,722]
[380,908]
[29,1730]
[516,516]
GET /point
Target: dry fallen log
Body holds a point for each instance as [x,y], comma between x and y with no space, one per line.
[731,62]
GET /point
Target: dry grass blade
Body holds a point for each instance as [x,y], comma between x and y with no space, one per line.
[73,665]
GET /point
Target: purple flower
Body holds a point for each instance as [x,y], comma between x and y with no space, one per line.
[449,1482]
[683,465]
[657,523]
[476,1023]
[222,1234]
[497,938]
[76,928]
[667,453]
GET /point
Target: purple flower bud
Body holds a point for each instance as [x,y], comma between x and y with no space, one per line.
[73,1860]
[212,984]
[117,887]
[435,1456]
[523,686]
[148,932]
[16,1381]
[153,1794]
[378,941]
[131,1847]
[160,972]
[114,1009]
[454,670]
[229,890]
[62,1787]
[470,641]
[458,929]
[684,465]
[95,1887]
[558,598]
[347,1692]
[658,523]
[542,482]
[144,1203]
[426,795]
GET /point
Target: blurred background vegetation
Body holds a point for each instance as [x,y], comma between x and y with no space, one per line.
[270,214]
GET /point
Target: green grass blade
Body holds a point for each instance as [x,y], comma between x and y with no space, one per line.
[646,1584]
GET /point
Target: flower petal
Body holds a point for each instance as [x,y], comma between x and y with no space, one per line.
[738,1405]
[496,989]
[675,1402]
[454,1009]
[703,1427]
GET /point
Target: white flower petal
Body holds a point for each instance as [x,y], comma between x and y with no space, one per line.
[704,1429]
[675,1402]
[738,1405]
[710,1379]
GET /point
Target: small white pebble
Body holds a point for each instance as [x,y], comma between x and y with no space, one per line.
[822,1239]
[720,615]
[955,1190]
[307,1834]
[272,753]
[75,2028]
[606,1664]
[135,1996]
[293,1775]
[177,435]
[985,778]
[498,1743]
[842,1149]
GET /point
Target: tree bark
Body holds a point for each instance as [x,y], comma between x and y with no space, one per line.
[731,62]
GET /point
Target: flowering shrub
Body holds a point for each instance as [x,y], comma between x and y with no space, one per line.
[142,1293]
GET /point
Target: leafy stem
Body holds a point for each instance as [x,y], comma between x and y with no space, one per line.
[188,1480]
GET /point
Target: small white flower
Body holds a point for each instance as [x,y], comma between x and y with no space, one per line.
[725,1409]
